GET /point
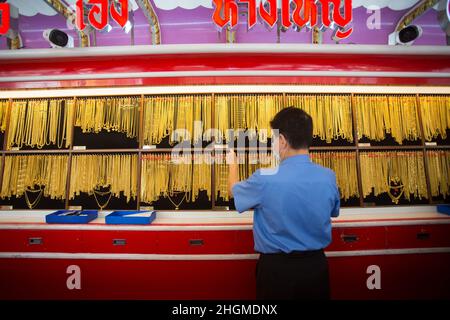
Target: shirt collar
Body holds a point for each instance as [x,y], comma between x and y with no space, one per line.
[299,158]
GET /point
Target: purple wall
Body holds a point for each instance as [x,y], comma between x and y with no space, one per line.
[181,26]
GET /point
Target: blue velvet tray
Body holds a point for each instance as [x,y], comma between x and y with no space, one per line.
[443,208]
[60,216]
[129,217]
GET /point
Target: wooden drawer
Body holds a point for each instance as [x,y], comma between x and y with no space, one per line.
[357,238]
[418,236]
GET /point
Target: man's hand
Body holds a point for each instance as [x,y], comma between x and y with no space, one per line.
[233,174]
[231,157]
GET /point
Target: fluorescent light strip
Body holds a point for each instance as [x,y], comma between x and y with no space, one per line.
[227,73]
[224,48]
[149,90]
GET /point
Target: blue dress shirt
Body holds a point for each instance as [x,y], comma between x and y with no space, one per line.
[293,205]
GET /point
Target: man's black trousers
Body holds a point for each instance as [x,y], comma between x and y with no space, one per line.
[293,276]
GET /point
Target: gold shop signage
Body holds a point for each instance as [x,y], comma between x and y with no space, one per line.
[336,14]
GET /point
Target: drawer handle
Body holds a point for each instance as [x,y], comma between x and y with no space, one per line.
[423,236]
[349,238]
[34,241]
[196,242]
[119,242]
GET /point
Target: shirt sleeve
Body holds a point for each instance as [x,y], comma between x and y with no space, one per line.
[248,193]
[337,199]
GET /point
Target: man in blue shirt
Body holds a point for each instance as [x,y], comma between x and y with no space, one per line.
[293,206]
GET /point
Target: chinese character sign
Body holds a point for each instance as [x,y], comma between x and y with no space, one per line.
[309,13]
[99,13]
[4,18]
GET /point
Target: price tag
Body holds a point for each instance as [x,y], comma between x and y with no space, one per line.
[431,144]
[221,208]
[6,207]
[147,147]
[75,208]
[147,208]
[364,144]
[79,147]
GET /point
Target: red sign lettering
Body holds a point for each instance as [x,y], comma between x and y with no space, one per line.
[300,12]
[5,18]
[99,13]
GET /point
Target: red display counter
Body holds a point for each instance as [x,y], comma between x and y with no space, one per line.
[376,253]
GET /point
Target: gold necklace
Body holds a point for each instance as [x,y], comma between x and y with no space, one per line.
[435,111]
[33,204]
[3,114]
[378,115]
[102,193]
[177,205]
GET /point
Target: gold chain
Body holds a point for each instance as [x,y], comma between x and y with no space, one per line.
[164,176]
[344,165]
[102,193]
[249,162]
[439,172]
[164,115]
[405,169]
[435,112]
[33,204]
[3,114]
[246,112]
[110,114]
[23,172]
[331,114]
[119,171]
[40,122]
[378,115]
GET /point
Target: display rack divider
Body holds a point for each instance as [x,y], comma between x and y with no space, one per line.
[355,140]
[5,138]
[140,139]
[8,117]
[213,138]
[424,150]
[69,161]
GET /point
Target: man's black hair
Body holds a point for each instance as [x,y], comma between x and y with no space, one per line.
[295,125]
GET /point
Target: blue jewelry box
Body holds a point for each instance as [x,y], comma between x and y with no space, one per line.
[130,217]
[443,208]
[71,216]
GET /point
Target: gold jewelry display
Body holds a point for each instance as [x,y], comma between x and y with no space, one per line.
[439,172]
[435,112]
[164,176]
[181,117]
[331,114]
[23,172]
[3,114]
[40,122]
[93,171]
[405,168]
[344,166]
[377,115]
[246,112]
[248,162]
[120,114]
